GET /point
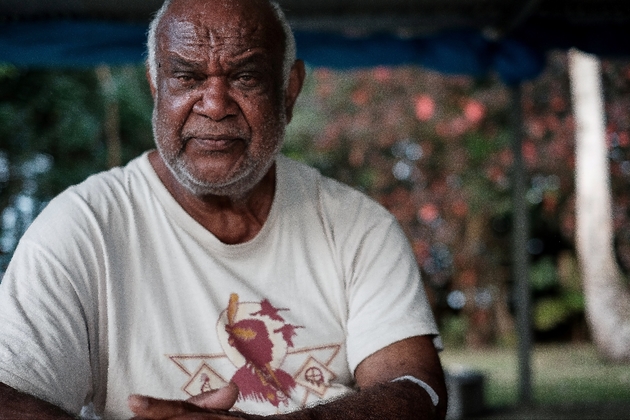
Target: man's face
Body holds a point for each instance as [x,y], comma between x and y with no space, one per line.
[220,109]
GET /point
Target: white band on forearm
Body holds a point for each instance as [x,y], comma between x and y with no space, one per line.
[435,399]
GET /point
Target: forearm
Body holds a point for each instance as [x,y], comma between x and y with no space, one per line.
[400,400]
[17,405]
[394,400]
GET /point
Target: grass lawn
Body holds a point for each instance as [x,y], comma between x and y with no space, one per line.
[561,374]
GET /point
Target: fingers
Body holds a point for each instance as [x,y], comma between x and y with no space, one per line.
[207,402]
[217,399]
[156,409]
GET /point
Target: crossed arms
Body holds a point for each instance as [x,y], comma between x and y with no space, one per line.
[377,397]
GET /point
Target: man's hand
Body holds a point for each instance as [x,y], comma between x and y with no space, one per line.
[211,405]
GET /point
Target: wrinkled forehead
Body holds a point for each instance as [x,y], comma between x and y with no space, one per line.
[202,26]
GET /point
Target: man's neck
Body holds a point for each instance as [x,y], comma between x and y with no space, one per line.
[233,220]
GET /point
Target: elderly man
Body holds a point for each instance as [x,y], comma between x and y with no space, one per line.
[214,278]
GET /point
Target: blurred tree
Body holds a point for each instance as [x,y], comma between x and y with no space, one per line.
[607,295]
[434,150]
[53,134]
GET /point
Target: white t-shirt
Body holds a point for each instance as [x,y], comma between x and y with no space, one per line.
[115,290]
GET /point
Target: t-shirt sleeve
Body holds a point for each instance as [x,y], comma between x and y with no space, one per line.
[44,338]
[386,297]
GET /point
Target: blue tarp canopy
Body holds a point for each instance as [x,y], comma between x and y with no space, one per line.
[456,46]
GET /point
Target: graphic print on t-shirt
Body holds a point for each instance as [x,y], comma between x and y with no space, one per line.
[257,341]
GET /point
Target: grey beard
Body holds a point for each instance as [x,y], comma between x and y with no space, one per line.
[236,187]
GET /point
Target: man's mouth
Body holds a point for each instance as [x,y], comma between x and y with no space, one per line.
[219,143]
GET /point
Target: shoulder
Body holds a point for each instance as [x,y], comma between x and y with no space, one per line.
[331,195]
[348,216]
[95,201]
[123,180]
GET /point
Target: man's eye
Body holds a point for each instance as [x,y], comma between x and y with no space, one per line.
[185,79]
[248,79]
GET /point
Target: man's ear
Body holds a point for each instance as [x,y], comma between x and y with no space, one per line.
[296,80]
[150,80]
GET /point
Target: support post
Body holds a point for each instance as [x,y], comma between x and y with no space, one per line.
[520,257]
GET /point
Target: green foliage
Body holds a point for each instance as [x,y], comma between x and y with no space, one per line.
[453,331]
[135,106]
[52,135]
[55,113]
[558,307]
[479,147]
[436,151]
[549,312]
[542,274]
[7,71]
[574,301]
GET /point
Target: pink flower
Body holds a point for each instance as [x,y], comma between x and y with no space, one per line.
[382,74]
[428,213]
[425,107]
[474,111]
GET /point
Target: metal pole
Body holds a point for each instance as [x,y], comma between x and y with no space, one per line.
[520,258]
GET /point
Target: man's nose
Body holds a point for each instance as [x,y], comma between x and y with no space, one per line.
[216,101]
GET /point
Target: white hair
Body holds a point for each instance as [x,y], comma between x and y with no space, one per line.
[289,42]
